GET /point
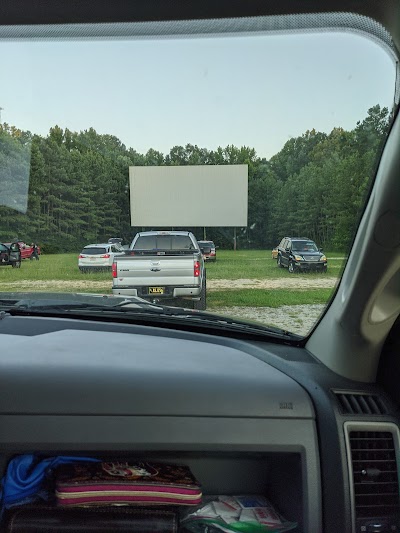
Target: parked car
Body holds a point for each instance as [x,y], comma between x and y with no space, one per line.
[162,265]
[27,251]
[115,240]
[98,256]
[208,250]
[10,255]
[301,254]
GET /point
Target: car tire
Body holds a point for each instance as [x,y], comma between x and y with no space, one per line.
[292,269]
[17,264]
[278,262]
[201,304]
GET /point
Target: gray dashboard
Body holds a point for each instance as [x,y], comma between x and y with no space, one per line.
[241,424]
[103,373]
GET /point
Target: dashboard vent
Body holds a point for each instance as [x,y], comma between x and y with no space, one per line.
[375,476]
[352,403]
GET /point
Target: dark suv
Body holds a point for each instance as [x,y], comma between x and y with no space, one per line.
[301,254]
[208,250]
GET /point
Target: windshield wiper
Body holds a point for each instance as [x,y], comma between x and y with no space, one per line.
[143,309]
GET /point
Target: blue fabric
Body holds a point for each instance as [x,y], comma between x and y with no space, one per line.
[25,474]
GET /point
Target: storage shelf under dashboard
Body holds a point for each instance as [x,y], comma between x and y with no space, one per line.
[278,476]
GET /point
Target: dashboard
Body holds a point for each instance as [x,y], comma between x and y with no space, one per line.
[246,416]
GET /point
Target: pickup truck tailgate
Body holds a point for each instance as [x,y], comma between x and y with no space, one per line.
[145,271]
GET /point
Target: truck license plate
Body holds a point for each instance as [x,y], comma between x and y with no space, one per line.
[156,290]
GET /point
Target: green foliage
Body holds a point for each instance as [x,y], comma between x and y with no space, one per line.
[79,191]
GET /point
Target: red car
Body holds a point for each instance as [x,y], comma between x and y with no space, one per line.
[27,251]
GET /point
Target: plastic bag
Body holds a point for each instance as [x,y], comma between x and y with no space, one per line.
[236,514]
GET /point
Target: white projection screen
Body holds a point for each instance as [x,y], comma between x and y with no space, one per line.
[196,195]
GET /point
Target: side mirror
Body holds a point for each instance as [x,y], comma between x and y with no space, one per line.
[320,249]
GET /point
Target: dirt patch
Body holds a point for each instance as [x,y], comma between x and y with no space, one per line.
[56,284]
[297,282]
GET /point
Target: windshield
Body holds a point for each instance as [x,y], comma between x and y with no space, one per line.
[304,246]
[241,141]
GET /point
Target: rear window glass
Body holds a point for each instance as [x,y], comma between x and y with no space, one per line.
[164,242]
[94,251]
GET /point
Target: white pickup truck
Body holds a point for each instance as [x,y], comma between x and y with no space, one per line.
[161,266]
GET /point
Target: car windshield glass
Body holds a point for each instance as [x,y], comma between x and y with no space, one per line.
[94,251]
[304,246]
[164,242]
[164,135]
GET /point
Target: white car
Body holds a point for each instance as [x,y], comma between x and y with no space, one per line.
[98,256]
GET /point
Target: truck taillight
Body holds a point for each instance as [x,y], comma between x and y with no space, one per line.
[196,269]
[114,270]
[132,253]
[105,256]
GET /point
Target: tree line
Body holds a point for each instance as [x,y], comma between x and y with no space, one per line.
[78,193]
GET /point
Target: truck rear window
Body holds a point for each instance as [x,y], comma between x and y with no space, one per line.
[164,242]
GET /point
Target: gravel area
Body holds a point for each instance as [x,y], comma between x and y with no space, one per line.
[294,318]
[297,282]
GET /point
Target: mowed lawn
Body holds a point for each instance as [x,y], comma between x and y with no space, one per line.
[258,264]
[60,273]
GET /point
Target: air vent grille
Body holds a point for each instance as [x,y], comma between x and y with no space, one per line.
[375,477]
[361,404]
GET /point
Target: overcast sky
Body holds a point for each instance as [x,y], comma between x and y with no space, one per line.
[256,91]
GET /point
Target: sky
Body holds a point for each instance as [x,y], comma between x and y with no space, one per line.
[256,91]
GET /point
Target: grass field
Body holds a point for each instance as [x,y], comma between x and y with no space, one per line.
[257,264]
[267,298]
[60,273]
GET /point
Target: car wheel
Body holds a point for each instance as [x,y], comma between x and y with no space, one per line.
[17,264]
[201,304]
[279,262]
[292,269]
